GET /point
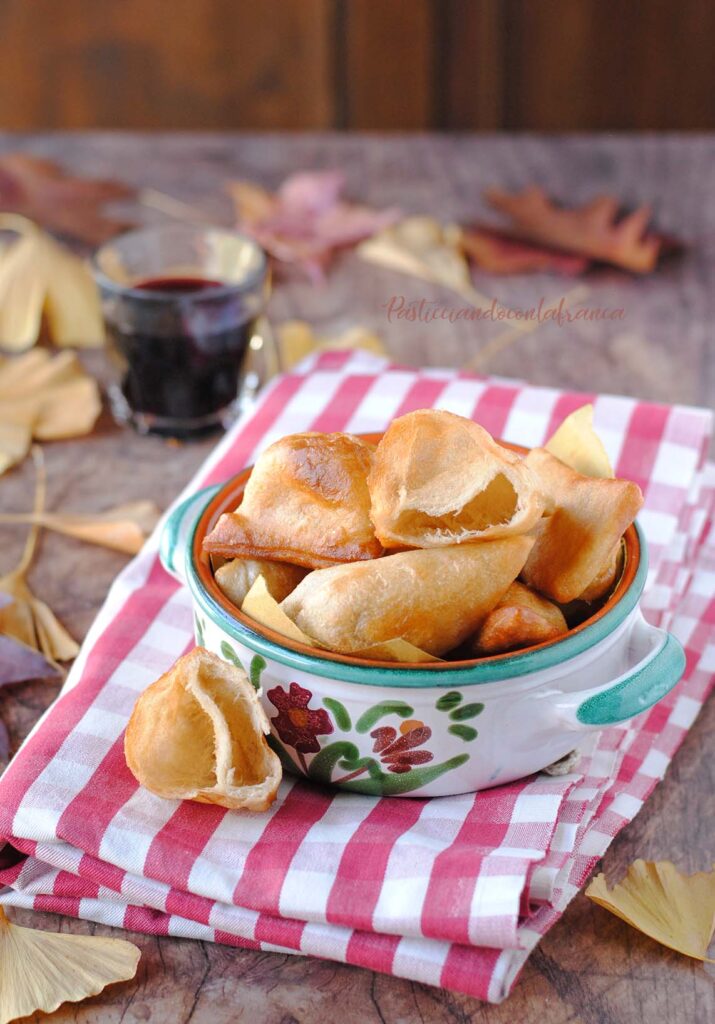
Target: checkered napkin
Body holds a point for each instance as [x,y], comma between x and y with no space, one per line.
[453,891]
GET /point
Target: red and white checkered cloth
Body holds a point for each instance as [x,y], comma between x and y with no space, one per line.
[454,891]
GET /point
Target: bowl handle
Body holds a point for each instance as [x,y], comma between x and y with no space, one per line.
[178,529]
[659,665]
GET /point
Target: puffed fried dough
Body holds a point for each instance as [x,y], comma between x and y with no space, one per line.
[605,579]
[575,542]
[440,479]
[197,733]
[236,578]
[433,598]
[306,502]
[521,619]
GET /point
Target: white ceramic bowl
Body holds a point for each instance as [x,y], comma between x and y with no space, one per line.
[430,730]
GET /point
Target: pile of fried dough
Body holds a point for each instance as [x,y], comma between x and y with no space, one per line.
[438,542]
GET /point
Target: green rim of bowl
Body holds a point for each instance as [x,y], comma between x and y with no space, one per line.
[490,672]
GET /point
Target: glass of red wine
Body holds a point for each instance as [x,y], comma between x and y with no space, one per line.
[182,308]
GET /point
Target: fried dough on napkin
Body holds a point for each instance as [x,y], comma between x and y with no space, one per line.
[521,619]
[440,479]
[432,598]
[306,502]
[575,543]
[197,733]
[235,578]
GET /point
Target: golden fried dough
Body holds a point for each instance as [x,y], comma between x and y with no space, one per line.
[575,543]
[439,479]
[432,598]
[306,503]
[197,733]
[521,619]
[236,578]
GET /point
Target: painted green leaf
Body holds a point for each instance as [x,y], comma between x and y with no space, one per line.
[321,767]
[286,760]
[257,665]
[387,707]
[230,655]
[448,700]
[392,785]
[466,711]
[199,632]
[340,713]
[465,732]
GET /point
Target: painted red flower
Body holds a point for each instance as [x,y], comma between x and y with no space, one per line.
[397,750]
[297,724]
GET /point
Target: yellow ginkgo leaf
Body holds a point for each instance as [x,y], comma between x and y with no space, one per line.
[296,340]
[676,910]
[578,445]
[41,970]
[40,278]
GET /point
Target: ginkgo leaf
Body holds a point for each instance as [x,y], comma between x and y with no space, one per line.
[123,528]
[39,279]
[423,247]
[674,909]
[41,970]
[577,444]
[45,396]
[296,340]
[70,205]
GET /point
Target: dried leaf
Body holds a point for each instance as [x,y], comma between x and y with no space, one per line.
[592,230]
[306,221]
[296,340]
[674,909]
[423,247]
[41,970]
[123,528]
[4,745]
[499,253]
[19,663]
[578,445]
[40,279]
[48,397]
[72,206]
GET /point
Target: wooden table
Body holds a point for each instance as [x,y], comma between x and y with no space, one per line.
[591,968]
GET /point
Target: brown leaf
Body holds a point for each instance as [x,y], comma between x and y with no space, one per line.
[592,230]
[59,201]
[42,970]
[674,909]
[499,253]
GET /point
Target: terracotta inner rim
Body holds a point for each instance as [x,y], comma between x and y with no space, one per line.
[227,499]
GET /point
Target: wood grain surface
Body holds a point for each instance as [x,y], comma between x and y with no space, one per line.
[591,968]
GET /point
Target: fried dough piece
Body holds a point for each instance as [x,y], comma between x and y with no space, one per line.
[306,502]
[439,479]
[235,578]
[197,733]
[433,599]
[574,544]
[521,619]
[605,580]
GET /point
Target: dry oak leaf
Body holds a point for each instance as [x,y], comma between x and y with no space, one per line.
[41,283]
[306,221]
[41,970]
[499,253]
[69,205]
[676,910]
[46,397]
[592,229]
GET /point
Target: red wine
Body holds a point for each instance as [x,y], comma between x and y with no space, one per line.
[182,349]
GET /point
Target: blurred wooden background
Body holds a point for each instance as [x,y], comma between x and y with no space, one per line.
[542,65]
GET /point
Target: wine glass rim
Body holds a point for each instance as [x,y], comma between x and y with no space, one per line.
[226,288]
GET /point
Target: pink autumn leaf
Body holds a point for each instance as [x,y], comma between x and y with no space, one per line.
[305,222]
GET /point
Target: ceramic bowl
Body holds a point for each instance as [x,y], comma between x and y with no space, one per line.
[434,729]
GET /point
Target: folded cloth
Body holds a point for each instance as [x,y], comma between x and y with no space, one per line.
[453,891]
